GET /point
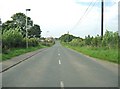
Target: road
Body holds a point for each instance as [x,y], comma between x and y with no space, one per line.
[61,67]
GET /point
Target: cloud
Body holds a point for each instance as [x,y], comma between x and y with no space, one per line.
[111,18]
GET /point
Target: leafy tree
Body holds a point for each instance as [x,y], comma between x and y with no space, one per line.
[107,39]
[88,40]
[67,37]
[96,41]
[11,38]
[14,32]
[33,42]
[20,20]
[115,39]
[8,24]
[77,42]
[34,31]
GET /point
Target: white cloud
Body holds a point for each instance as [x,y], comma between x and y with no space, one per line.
[111,18]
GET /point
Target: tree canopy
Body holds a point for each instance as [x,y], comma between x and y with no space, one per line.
[14,32]
[67,37]
[19,21]
[109,40]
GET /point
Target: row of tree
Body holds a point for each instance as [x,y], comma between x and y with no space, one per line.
[68,38]
[109,40]
[14,32]
[19,21]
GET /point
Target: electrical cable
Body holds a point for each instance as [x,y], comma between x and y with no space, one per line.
[85,13]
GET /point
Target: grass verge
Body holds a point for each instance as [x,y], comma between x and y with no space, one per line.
[18,51]
[100,53]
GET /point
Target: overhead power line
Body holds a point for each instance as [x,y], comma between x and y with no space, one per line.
[91,7]
[85,13]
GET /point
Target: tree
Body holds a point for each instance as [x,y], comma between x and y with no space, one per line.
[77,42]
[20,20]
[88,40]
[107,39]
[34,31]
[67,38]
[7,25]
[11,38]
[14,32]
[116,39]
[96,41]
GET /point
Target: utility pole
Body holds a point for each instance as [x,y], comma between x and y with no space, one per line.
[0,36]
[102,17]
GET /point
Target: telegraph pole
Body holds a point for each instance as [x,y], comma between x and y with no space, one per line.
[0,37]
[102,17]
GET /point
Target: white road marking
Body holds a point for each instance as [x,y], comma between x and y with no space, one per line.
[59,62]
[61,84]
[59,54]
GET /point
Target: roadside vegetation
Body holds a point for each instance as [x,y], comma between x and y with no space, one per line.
[18,51]
[105,48]
[14,36]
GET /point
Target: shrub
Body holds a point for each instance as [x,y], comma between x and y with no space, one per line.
[33,42]
[11,38]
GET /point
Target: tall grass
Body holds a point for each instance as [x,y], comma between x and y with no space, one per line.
[18,51]
[100,53]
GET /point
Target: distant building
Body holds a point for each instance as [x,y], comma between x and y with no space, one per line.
[49,39]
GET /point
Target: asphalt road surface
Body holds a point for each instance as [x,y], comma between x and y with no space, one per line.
[61,67]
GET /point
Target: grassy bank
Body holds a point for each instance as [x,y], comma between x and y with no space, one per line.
[100,53]
[18,51]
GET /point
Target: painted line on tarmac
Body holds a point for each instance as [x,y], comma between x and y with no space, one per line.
[61,84]
[59,62]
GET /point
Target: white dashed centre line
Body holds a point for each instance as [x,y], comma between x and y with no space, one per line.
[59,62]
[58,54]
[61,84]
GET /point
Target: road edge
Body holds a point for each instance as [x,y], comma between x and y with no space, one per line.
[24,59]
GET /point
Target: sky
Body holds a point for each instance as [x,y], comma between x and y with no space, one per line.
[57,17]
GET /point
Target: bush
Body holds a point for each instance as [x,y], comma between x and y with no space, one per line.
[77,42]
[108,41]
[11,38]
[31,42]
